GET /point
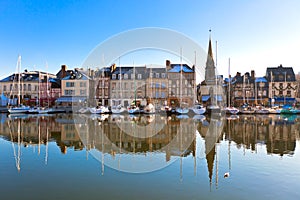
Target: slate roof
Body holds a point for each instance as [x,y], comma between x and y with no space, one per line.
[26,76]
[76,74]
[177,68]
[280,74]
[261,80]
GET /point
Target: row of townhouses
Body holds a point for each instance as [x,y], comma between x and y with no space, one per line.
[174,85]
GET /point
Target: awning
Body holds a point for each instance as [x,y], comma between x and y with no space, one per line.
[283,99]
[68,99]
[205,97]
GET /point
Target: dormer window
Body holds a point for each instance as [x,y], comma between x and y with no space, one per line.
[132,76]
[113,76]
[139,76]
[163,75]
[157,75]
[125,76]
[120,76]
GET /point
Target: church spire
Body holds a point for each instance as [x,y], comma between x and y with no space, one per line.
[210,53]
[210,65]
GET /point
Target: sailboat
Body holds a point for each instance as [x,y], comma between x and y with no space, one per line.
[39,109]
[119,108]
[230,109]
[182,109]
[150,108]
[133,108]
[19,108]
[198,109]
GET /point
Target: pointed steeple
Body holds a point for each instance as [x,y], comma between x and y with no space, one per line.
[210,74]
[209,52]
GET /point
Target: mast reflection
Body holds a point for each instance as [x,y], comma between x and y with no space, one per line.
[121,139]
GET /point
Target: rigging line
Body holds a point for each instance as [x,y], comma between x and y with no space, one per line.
[13,146]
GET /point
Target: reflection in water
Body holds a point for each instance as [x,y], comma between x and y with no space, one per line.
[146,143]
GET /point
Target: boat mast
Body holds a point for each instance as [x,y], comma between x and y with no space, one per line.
[194,83]
[134,84]
[285,87]
[120,82]
[272,103]
[19,80]
[229,88]
[180,92]
[47,85]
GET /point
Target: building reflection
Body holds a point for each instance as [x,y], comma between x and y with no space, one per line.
[277,132]
[171,136]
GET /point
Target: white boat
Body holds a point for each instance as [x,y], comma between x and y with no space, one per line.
[38,110]
[246,109]
[118,109]
[99,110]
[198,109]
[182,110]
[19,109]
[275,110]
[232,110]
[261,110]
[133,109]
[149,109]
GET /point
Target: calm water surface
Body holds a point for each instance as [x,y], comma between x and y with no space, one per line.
[149,157]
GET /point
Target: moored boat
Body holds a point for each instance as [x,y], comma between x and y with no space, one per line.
[198,109]
[232,110]
[99,110]
[149,109]
[133,109]
[119,109]
[261,110]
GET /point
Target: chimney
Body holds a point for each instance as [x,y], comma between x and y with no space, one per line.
[92,74]
[168,65]
[252,74]
[63,71]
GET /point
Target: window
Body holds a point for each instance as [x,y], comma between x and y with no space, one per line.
[113,86]
[120,76]
[139,76]
[24,87]
[113,76]
[288,93]
[69,92]
[132,76]
[163,75]
[151,75]
[157,75]
[29,87]
[36,88]
[280,77]
[82,92]
[4,88]
[125,76]
[70,84]
[82,84]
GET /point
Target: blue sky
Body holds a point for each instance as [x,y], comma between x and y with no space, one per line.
[255,34]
